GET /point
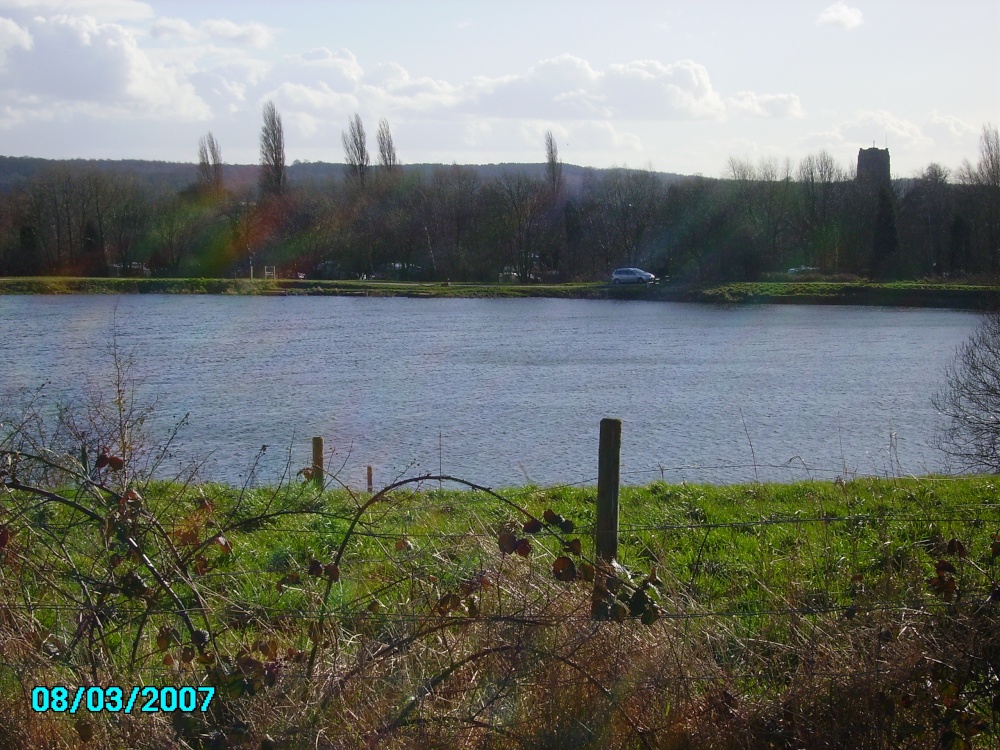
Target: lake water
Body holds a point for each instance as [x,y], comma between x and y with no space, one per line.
[504,392]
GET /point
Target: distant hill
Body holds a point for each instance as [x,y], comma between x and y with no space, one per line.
[17,171]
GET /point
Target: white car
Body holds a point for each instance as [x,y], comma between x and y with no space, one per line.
[632,276]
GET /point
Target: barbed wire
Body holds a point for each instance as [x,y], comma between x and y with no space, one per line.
[929,608]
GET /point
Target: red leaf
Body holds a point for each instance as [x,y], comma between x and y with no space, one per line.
[332,572]
[200,565]
[564,569]
[943,566]
[84,730]
[651,614]
[507,542]
[533,526]
[447,603]
[115,463]
[523,548]
[574,546]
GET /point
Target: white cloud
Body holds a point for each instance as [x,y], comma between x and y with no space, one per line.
[175,28]
[907,141]
[103,10]
[77,64]
[568,87]
[339,70]
[651,89]
[881,127]
[766,105]
[253,34]
[841,14]
[318,98]
[563,88]
[951,129]
[12,36]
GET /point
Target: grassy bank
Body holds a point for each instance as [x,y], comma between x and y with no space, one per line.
[818,614]
[72,285]
[896,294]
[908,294]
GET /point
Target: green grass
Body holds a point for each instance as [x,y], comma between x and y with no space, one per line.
[768,599]
[733,549]
[900,293]
[73,285]
[904,293]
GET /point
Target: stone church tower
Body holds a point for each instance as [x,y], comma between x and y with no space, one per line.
[873,165]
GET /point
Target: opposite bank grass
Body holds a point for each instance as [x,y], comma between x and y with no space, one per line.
[813,615]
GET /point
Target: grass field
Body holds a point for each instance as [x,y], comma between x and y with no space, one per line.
[828,614]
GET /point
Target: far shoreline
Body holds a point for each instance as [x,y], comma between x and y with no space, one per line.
[893,294]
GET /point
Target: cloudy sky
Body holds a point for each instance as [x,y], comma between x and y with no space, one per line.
[678,86]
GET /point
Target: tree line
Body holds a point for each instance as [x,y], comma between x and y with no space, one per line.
[381,220]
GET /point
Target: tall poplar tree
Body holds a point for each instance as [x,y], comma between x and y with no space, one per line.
[272,153]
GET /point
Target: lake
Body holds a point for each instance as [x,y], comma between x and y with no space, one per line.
[504,392]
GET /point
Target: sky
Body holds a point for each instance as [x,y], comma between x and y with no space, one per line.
[676,86]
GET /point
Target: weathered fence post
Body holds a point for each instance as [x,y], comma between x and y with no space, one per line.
[370,483]
[608,465]
[317,466]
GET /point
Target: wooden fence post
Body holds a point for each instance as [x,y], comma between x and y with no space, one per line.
[608,465]
[317,466]
[370,483]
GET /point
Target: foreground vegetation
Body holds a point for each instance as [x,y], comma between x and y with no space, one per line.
[909,294]
[433,612]
[858,613]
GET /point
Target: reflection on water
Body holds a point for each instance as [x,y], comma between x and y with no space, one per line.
[510,391]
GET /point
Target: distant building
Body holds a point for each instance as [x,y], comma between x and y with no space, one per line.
[873,165]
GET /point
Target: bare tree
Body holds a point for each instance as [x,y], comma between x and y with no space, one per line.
[127,221]
[386,149]
[210,164]
[553,167]
[356,149]
[927,211]
[817,223]
[272,153]
[971,401]
[626,205]
[519,203]
[984,177]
